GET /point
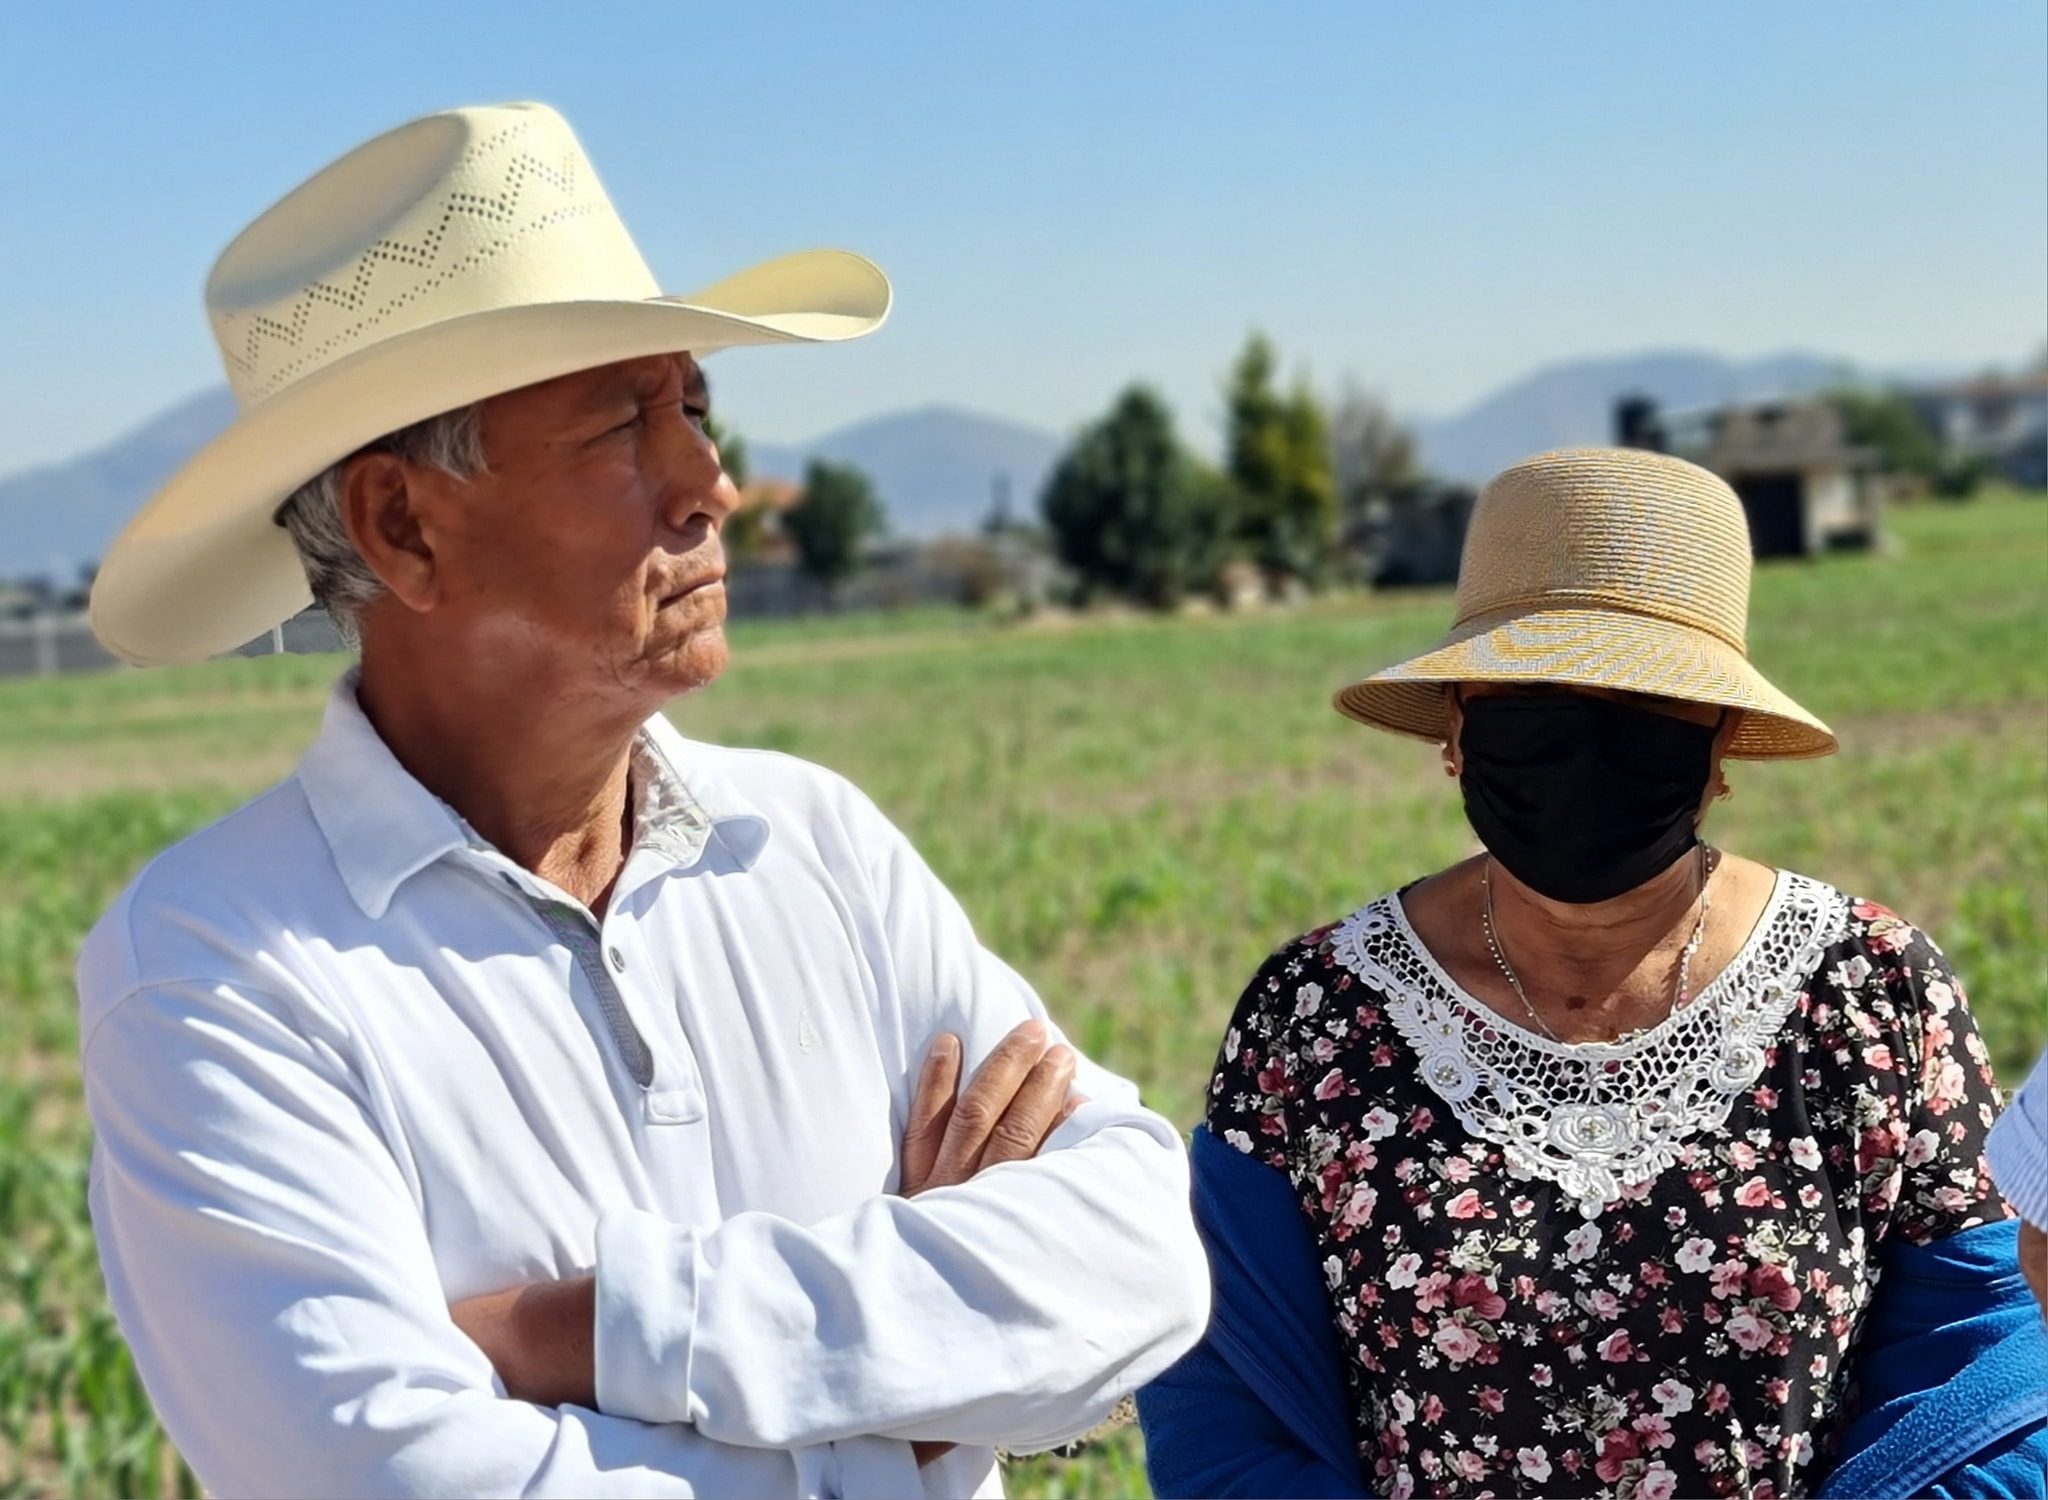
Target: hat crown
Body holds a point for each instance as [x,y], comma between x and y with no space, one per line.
[461,212]
[1611,528]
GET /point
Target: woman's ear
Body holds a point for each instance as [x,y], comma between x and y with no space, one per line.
[1717,782]
[1454,726]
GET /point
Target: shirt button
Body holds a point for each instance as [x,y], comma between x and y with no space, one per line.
[618,959]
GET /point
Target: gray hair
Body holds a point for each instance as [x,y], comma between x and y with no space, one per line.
[342,583]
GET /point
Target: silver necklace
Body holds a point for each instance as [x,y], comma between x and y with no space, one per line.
[1681,990]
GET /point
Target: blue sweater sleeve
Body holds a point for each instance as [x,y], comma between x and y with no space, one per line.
[1951,1369]
[1207,1432]
[2017,1469]
[1260,1406]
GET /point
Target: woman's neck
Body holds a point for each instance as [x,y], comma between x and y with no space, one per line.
[1570,952]
[1591,973]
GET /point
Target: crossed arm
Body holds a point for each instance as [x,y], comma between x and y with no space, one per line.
[272,1274]
[541,1339]
[269,1263]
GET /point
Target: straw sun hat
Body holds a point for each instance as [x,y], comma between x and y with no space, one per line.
[1607,568]
[457,257]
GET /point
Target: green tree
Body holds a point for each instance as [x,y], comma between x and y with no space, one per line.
[1255,449]
[832,523]
[1905,444]
[745,530]
[1279,465]
[1132,512]
[1886,421]
[732,449]
[1373,454]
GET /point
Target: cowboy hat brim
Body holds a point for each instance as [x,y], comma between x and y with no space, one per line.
[204,567]
[1596,648]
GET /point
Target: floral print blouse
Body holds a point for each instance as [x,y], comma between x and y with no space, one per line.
[1633,1269]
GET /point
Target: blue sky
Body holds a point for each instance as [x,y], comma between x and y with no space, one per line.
[1432,200]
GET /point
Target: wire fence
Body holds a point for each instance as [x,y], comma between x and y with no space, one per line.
[54,641]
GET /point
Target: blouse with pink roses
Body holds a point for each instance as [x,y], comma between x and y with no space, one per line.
[1692,1333]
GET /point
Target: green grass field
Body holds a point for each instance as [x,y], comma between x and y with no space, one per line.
[1134,812]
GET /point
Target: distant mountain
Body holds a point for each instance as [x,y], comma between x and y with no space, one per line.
[935,468]
[1566,405]
[66,514]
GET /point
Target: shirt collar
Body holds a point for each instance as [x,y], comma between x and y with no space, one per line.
[684,804]
[383,827]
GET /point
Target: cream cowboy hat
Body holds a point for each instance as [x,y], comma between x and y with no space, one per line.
[456,257]
[1601,567]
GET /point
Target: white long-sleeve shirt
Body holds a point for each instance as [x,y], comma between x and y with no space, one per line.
[347,1064]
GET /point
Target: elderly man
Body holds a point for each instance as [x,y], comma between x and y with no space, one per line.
[521,1097]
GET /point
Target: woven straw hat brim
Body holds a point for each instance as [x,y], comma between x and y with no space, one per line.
[1589,647]
[203,567]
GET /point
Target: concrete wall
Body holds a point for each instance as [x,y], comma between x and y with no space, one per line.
[1831,507]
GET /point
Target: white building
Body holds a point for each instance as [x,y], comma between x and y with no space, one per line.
[1804,486]
[2000,419]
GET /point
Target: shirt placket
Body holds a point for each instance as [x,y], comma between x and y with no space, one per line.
[573,928]
[669,1095]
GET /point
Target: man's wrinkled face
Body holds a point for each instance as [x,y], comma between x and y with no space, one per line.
[590,546]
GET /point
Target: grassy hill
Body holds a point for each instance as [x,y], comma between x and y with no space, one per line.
[1133,811]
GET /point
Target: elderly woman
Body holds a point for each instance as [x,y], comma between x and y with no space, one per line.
[1586,1166]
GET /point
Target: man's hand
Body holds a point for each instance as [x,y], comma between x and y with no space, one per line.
[540,1338]
[1017,1098]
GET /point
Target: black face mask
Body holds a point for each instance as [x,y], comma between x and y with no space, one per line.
[1582,798]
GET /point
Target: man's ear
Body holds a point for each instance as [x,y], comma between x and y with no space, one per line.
[381,506]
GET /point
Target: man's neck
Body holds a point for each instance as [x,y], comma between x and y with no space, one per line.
[546,783]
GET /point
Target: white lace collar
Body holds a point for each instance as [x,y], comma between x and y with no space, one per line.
[1596,1118]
